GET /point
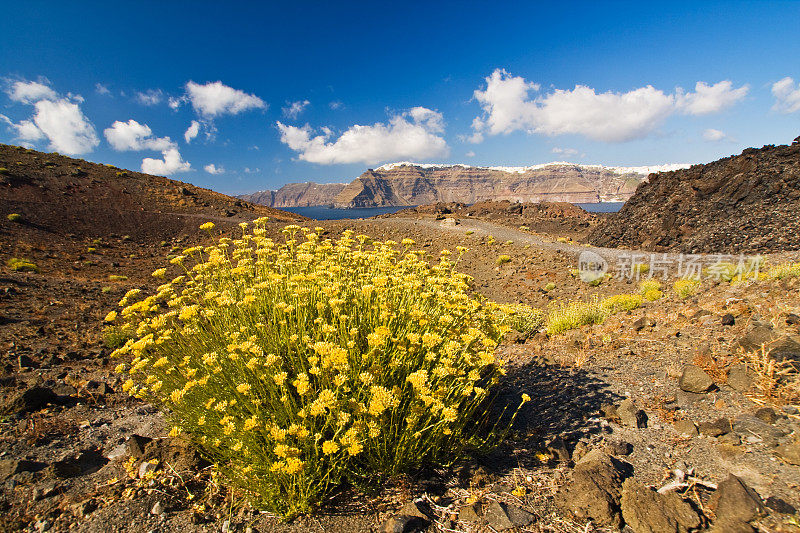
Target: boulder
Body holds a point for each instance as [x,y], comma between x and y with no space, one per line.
[735,505]
[789,453]
[630,415]
[29,401]
[718,427]
[502,517]
[785,349]
[685,427]
[595,491]
[694,379]
[740,379]
[758,335]
[646,511]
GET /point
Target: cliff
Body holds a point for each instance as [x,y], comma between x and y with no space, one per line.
[401,184]
[407,184]
[740,204]
[297,195]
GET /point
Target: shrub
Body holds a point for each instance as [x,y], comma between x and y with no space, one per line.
[549,287]
[564,240]
[117,277]
[788,270]
[3,171]
[520,317]
[509,243]
[621,302]
[491,240]
[106,289]
[14,217]
[297,365]
[574,315]
[651,290]
[22,265]
[686,287]
[503,259]
[116,336]
[524,228]
[640,269]
[91,249]
[470,231]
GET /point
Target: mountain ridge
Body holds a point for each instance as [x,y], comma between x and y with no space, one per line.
[408,184]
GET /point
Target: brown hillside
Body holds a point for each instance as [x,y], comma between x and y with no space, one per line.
[61,195]
[744,203]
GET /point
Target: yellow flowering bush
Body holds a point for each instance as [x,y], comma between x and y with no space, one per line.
[298,365]
[686,287]
[572,315]
[520,317]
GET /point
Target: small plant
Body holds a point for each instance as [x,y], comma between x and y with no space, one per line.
[3,171]
[549,287]
[621,302]
[91,249]
[520,317]
[640,269]
[121,174]
[503,259]
[296,366]
[15,217]
[651,290]
[686,287]
[788,270]
[22,265]
[470,231]
[106,289]
[524,228]
[564,240]
[491,240]
[574,315]
[509,243]
[115,337]
[117,277]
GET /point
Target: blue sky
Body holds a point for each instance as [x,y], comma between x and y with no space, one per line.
[482,83]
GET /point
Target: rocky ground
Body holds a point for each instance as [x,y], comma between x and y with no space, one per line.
[653,399]
[743,203]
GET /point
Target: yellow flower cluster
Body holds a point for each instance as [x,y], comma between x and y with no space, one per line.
[296,364]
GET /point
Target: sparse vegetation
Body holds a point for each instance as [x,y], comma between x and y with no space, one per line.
[650,289]
[470,232]
[503,259]
[3,171]
[621,302]
[15,217]
[117,277]
[22,265]
[686,287]
[520,317]
[788,270]
[299,365]
[549,287]
[565,317]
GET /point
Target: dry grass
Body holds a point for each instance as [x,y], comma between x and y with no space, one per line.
[777,383]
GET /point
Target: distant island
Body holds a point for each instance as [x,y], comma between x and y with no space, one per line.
[409,184]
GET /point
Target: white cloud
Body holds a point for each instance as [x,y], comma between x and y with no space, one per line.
[211,168]
[249,170]
[411,135]
[713,135]
[99,88]
[60,120]
[707,99]
[565,151]
[608,116]
[192,131]
[215,98]
[294,109]
[174,102]
[787,95]
[336,104]
[67,128]
[171,164]
[150,97]
[26,130]
[134,136]
[470,154]
[29,92]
